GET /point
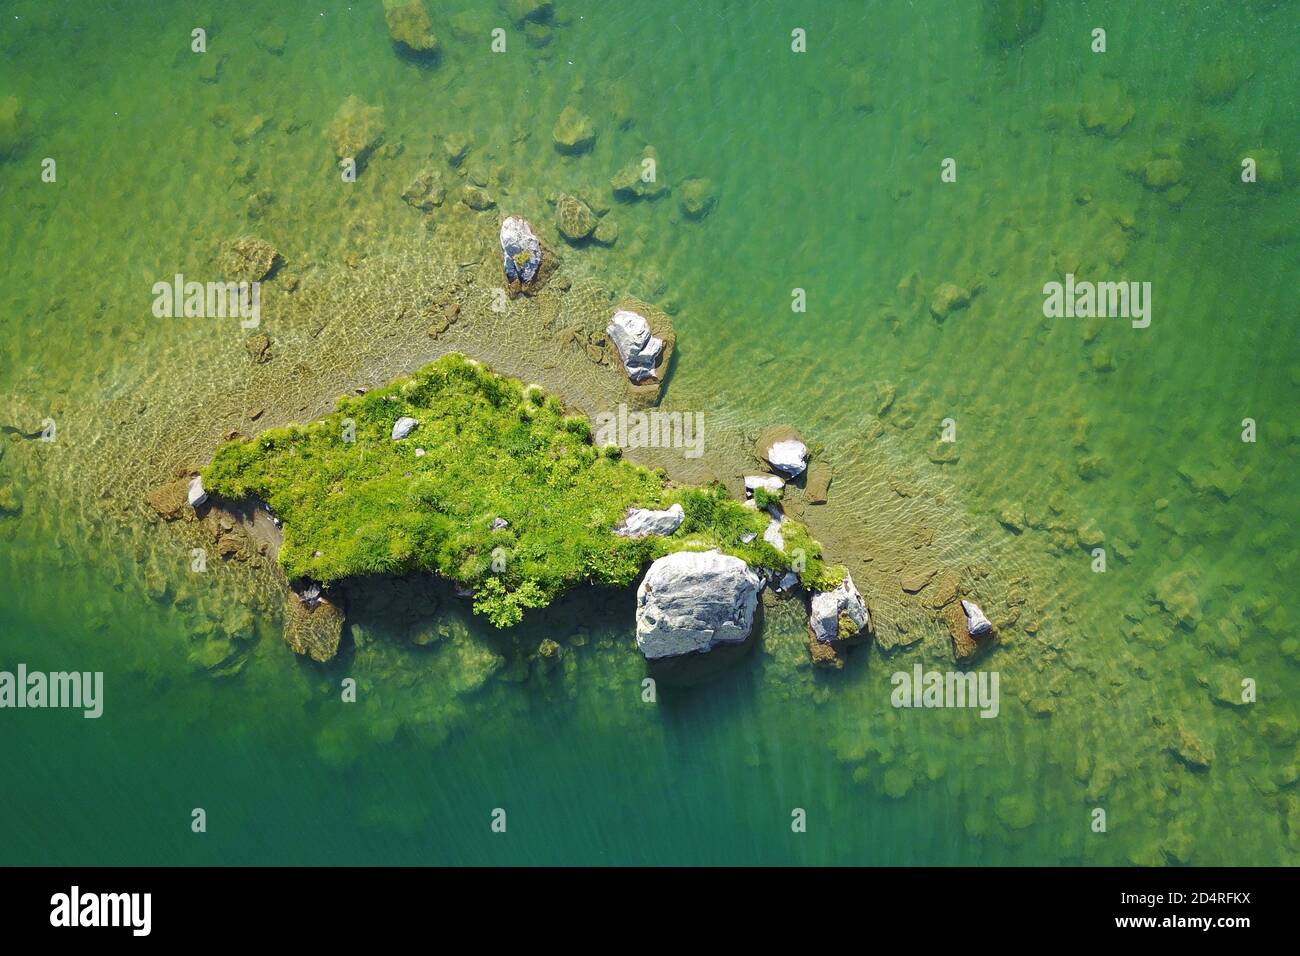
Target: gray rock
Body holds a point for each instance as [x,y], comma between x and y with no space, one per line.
[976,623]
[789,457]
[787,582]
[828,606]
[403,427]
[690,601]
[499,524]
[772,534]
[638,349]
[521,250]
[196,495]
[643,521]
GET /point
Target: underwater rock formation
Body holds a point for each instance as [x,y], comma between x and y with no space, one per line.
[356,130]
[1009,23]
[410,27]
[426,191]
[574,218]
[573,132]
[638,349]
[690,601]
[698,198]
[313,624]
[13,127]
[248,259]
[639,179]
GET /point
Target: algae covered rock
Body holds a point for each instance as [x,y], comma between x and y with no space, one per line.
[356,130]
[573,132]
[1009,23]
[574,218]
[313,623]
[1107,108]
[248,259]
[697,198]
[691,601]
[948,298]
[1219,76]
[410,27]
[639,179]
[13,127]
[426,191]
[522,12]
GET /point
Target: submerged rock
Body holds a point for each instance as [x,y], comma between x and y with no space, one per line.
[1009,23]
[638,349]
[403,427]
[948,298]
[641,522]
[1107,109]
[13,126]
[522,12]
[356,130]
[698,198]
[425,191]
[410,27]
[639,179]
[313,623]
[248,259]
[169,500]
[520,249]
[574,218]
[691,601]
[573,132]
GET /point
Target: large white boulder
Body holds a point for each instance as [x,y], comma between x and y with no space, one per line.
[976,623]
[789,457]
[690,601]
[827,606]
[637,347]
[643,521]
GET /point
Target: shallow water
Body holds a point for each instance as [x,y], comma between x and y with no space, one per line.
[826,170]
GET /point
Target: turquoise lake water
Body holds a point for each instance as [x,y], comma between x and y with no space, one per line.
[1120,691]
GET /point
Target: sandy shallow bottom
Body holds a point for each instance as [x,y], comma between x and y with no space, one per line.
[1120,691]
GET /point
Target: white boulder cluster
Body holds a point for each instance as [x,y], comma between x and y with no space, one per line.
[637,347]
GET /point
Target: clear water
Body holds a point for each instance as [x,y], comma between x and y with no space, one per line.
[1085,427]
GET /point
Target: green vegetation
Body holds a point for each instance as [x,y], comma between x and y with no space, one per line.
[491,448]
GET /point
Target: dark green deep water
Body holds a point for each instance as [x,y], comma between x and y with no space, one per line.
[826,168]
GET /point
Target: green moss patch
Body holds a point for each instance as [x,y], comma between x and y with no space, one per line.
[354,502]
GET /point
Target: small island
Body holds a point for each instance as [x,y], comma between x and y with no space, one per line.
[494,485]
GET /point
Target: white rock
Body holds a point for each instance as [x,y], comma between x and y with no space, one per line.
[500,524]
[790,457]
[976,623]
[521,251]
[420,453]
[827,606]
[196,495]
[767,482]
[690,601]
[642,521]
[639,350]
[403,427]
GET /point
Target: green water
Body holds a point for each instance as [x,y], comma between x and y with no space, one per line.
[826,168]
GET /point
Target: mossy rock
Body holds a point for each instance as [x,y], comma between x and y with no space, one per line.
[312,631]
[574,218]
[574,132]
[492,448]
[1009,23]
[410,27]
